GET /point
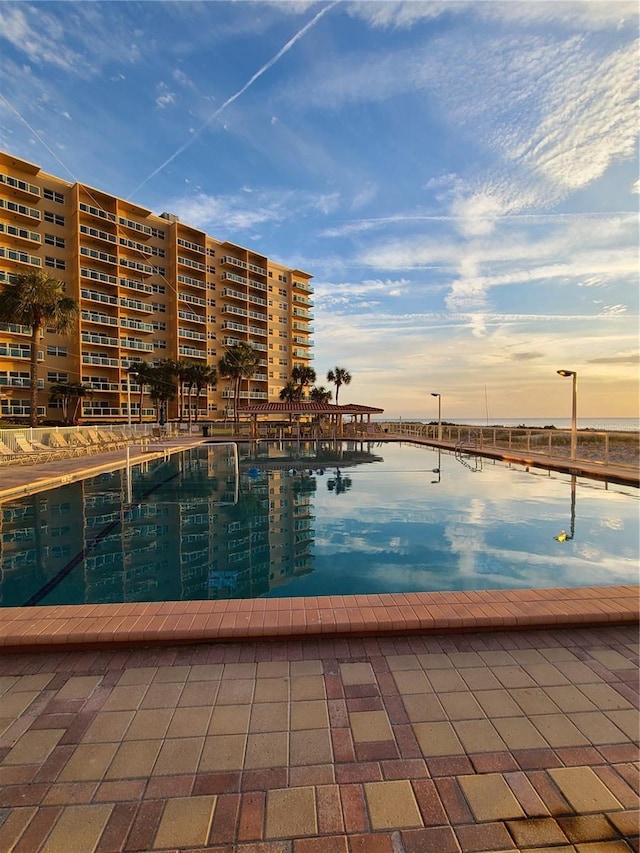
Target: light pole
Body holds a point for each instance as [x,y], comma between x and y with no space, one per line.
[574,410]
[439,396]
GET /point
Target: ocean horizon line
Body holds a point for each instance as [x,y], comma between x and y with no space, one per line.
[604,424]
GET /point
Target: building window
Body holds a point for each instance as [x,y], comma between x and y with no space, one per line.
[60,352]
[52,240]
[55,218]
[55,377]
[50,195]
[56,263]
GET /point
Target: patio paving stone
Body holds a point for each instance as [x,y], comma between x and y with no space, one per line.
[326,744]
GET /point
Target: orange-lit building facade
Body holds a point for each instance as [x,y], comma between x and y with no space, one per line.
[149,287]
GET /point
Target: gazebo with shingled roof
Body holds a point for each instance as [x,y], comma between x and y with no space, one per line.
[298,408]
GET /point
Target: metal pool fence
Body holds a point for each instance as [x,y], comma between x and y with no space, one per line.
[620,448]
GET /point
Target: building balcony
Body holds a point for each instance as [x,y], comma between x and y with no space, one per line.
[257,269]
[102,319]
[230,276]
[135,305]
[191,299]
[97,234]
[145,269]
[189,333]
[19,233]
[236,327]
[103,340]
[95,296]
[22,188]
[100,411]
[21,352]
[189,262]
[101,386]
[126,323]
[137,228]
[227,260]
[98,275]
[233,309]
[20,209]
[229,293]
[101,360]
[20,257]
[15,329]
[97,255]
[302,300]
[191,352]
[192,282]
[133,343]
[194,247]
[18,382]
[191,318]
[132,284]
[97,212]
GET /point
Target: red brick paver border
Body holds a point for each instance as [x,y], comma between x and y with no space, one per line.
[96,752]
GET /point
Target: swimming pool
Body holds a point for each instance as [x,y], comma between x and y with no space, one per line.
[366,518]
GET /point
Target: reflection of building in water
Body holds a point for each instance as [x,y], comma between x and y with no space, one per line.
[189,534]
[38,536]
[291,526]
[265,538]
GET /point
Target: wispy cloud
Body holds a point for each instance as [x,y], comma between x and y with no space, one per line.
[287,47]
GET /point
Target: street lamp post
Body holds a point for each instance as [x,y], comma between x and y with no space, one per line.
[439,396]
[574,410]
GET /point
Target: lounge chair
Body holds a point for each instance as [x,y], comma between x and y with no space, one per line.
[7,455]
[83,443]
[110,440]
[34,450]
[58,442]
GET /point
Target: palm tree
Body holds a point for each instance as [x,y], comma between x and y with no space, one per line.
[61,391]
[303,375]
[339,376]
[163,388]
[79,392]
[239,362]
[144,373]
[181,369]
[201,375]
[291,392]
[37,300]
[320,394]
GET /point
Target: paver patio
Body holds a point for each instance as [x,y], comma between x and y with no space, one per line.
[505,741]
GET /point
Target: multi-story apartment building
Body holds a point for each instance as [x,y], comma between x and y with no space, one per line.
[149,287]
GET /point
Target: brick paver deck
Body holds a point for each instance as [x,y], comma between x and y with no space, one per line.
[510,741]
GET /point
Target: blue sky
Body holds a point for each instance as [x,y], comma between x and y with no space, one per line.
[461,178]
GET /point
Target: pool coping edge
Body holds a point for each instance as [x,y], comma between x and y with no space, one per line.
[66,627]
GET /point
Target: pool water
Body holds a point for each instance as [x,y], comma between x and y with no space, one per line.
[298,521]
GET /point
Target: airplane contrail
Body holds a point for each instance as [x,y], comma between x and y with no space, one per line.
[241,91]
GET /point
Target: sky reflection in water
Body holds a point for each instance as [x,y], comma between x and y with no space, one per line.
[377,518]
